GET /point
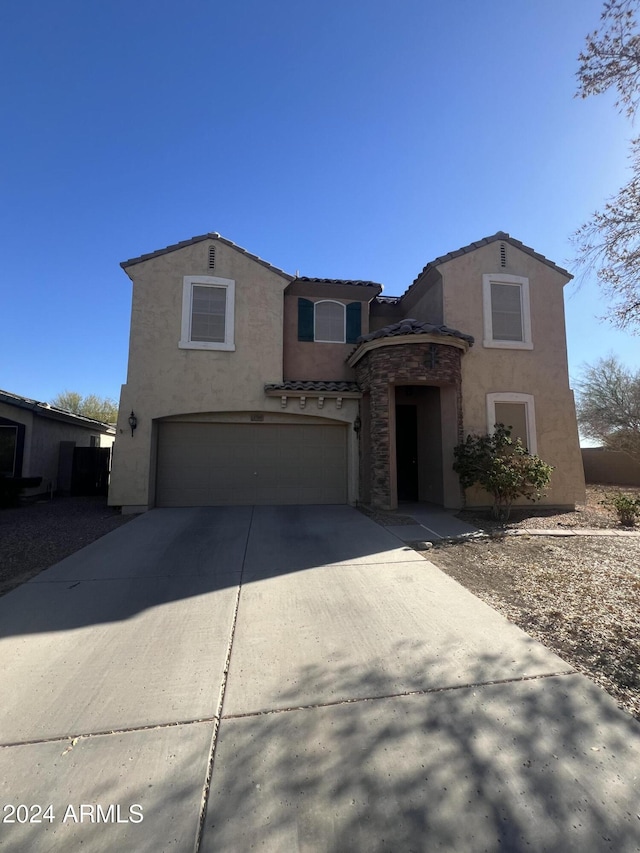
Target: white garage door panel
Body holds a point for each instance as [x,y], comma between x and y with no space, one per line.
[224,464]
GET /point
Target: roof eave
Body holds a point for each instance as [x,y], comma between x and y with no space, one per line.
[213,235]
[501,236]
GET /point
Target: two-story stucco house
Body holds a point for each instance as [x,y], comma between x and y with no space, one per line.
[252,386]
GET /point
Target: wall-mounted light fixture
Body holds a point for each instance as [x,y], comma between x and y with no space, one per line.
[357,425]
[133,422]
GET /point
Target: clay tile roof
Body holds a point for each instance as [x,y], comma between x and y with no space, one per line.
[499,235]
[213,235]
[414,327]
[356,282]
[314,386]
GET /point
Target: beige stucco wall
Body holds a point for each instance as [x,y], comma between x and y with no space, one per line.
[164,380]
[424,300]
[541,371]
[383,314]
[314,360]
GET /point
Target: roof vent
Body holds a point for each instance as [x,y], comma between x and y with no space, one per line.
[212,257]
[503,255]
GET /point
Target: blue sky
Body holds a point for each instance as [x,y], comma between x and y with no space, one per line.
[350,139]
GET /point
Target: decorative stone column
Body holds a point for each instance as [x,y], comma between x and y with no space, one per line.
[407,353]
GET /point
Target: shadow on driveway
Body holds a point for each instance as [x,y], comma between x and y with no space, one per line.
[547,764]
[168,555]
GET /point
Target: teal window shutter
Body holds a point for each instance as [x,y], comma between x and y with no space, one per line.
[354,321]
[305,320]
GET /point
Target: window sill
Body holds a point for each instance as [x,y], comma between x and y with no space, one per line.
[207,345]
[507,344]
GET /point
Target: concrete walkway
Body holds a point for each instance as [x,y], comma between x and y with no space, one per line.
[293,679]
[432,524]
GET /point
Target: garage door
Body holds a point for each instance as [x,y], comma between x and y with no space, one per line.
[224,464]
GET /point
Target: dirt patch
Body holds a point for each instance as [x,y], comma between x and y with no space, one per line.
[37,535]
[578,596]
[588,515]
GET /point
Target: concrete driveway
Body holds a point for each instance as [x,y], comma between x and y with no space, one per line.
[292,679]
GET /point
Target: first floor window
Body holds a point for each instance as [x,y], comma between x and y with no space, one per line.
[515,411]
[8,450]
[208,313]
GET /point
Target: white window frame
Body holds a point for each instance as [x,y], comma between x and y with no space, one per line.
[187,300]
[523,284]
[530,413]
[344,321]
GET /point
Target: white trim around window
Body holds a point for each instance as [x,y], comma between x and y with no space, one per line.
[515,281]
[332,323]
[227,339]
[530,410]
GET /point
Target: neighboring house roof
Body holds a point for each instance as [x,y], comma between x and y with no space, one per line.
[213,235]
[503,237]
[414,327]
[47,411]
[314,386]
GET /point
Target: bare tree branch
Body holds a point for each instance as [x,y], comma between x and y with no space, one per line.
[608,405]
[609,243]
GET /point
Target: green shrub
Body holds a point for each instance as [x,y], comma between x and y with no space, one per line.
[626,508]
[501,467]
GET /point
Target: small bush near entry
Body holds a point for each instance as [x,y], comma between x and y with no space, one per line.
[626,508]
[502,467]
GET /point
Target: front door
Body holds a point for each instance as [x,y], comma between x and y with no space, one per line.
[407,452]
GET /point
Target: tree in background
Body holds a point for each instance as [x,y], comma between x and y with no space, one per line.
[608,405]
[609,242]
[101,408]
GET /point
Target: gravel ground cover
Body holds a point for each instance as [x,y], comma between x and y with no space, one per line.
[588,515]
[35,536]
[580,596]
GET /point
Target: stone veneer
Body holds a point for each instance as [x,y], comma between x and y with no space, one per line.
[401,364]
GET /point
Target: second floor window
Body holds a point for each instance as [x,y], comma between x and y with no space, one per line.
[507,318]
[329,322]
[207,313]
[208,309]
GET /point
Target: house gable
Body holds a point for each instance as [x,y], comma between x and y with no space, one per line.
[182,373]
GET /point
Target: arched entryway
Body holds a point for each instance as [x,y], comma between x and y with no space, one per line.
[410,376]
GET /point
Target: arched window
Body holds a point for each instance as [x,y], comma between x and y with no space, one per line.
[329,322]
